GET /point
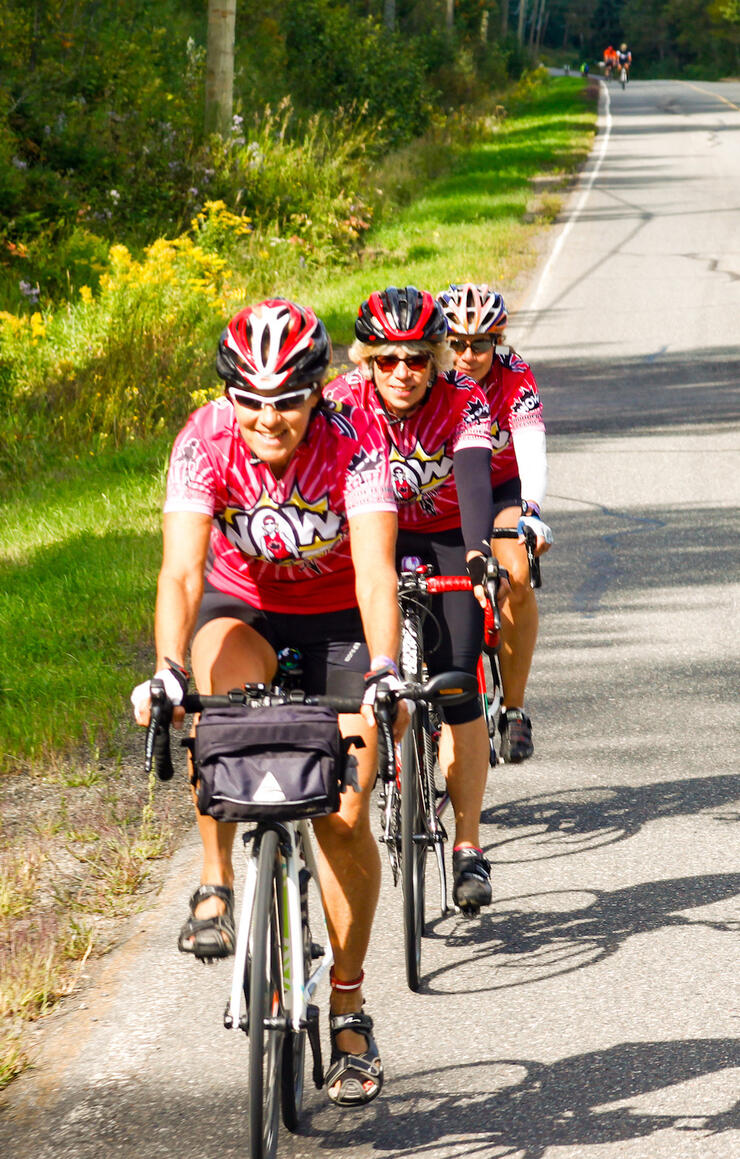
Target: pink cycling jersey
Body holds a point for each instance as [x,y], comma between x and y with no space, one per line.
[514,400]
[281,544]
[422,448]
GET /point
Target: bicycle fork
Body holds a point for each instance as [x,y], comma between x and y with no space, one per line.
[301,1014]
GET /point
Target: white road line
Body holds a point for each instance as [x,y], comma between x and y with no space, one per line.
[606,118]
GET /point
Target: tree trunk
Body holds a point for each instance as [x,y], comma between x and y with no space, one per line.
[537,11]
[220,66]
[522,18]
[504,18]
[450,15]
[389,14]
[484,27]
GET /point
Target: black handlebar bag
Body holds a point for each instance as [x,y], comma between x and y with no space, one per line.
[283,761]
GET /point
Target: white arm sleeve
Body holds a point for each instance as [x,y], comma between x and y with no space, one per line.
[530,446]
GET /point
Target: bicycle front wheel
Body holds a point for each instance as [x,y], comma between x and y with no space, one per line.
[264,986]
[414,849]
[294,1046]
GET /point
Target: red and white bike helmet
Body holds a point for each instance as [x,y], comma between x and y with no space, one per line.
[273,344]
[473,309]
[400,315]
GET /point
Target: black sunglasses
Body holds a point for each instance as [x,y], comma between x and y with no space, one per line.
[477,345]
[387,362]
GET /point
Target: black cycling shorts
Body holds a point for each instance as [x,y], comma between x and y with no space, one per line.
[508,494]
[334,654]
[453,632]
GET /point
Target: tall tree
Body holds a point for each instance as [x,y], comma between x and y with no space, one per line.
[389,14]
[521,21]
[220,66]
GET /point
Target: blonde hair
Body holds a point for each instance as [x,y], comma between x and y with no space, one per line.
[362,353]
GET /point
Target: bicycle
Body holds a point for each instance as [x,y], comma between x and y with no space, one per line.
[624,75]
[412,803]
[277,964]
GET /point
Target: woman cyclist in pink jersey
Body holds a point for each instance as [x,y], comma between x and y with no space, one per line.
[437,428]
[476,317]
[279,531]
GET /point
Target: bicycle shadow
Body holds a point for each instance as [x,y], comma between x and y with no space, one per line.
[563,823]
[523,1107]
[526,939]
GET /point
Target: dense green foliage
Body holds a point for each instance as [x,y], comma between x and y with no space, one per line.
[666,37]
[102,102]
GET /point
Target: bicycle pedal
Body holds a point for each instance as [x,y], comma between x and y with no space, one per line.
[468,911]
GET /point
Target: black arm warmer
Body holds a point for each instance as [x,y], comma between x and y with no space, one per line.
[473,482]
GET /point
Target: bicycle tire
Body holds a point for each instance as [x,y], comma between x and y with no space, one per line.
[265,1004]
[294,1046]
[414,846]
[414,850]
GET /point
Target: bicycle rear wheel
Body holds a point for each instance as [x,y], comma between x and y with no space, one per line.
[414,850]
[264,987]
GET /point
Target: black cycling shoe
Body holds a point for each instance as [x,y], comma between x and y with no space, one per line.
[471,886]
[516,736]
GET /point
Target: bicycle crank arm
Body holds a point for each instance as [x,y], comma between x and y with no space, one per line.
[314,1038]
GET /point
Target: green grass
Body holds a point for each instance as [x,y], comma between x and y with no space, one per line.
[78,560]
[468,225]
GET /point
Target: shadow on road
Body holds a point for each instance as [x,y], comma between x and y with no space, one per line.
[525,939]
[523,1108]
[561,824]
[673,391]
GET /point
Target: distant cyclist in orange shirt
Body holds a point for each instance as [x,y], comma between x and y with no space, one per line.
[610,60]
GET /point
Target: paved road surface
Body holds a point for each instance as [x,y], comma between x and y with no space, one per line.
[592,1013]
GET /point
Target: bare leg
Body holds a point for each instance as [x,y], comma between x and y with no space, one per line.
[349,867]
[519,614]
[463,758]
[225,654]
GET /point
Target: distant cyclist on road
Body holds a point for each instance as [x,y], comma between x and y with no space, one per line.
[437,427]
[279,531]
[624,58]
[610,60]
[476,317]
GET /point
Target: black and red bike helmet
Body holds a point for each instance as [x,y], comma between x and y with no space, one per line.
[400,315]
[273,344]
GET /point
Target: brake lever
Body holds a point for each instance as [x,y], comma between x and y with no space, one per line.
[157,744]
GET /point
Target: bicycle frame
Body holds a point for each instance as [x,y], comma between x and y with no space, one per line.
[298,990]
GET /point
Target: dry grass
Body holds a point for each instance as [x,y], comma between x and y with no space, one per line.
[84,846]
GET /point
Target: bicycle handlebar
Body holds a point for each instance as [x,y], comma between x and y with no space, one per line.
[445,688]
[530,542]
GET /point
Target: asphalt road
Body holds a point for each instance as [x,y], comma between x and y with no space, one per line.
[592,1012]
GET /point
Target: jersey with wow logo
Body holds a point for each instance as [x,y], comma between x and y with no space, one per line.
[281,544]
[514,399]
[422,448]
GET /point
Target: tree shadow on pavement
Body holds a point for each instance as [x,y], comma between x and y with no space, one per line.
[525,939]
[520,1107]
[561,824]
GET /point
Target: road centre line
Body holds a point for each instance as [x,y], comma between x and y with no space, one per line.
[709,93]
